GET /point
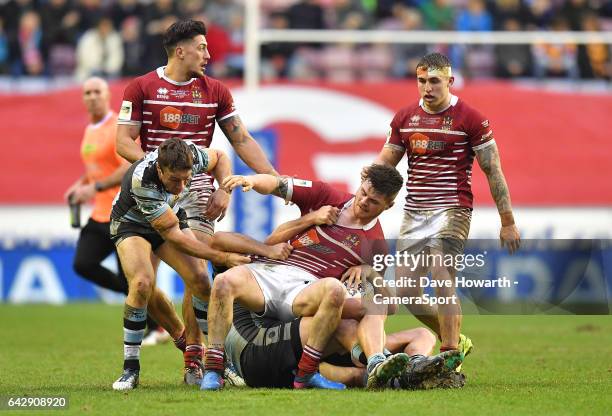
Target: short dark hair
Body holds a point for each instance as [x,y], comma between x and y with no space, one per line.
[385,180]
[182,30]
[175,154]
[434,60]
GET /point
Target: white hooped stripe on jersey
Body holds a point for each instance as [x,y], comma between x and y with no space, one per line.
[482,146]
[180,104]
[338,243]
[418,130]
[177,132]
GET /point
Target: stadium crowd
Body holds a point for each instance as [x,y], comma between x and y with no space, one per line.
[114,38]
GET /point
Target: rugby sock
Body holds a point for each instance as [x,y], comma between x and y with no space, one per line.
[444,349]
[134,323]
[357,354]
[181,342]
[200,308]
[308,365]
[214,359]
[192,354]
[374,360]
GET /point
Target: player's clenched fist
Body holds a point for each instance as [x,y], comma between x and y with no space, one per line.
[326,215]
[280,251]
[235,181]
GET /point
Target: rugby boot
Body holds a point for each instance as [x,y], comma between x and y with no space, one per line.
[465,346]
[128,380]
[231,376]
[212,381]
[317,381]
[390,368]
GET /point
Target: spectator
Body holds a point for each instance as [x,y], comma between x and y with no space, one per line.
[512,60]
[4,49]
[573,12]
[594,58]
[475,58]
[542,13]
[504,10]
[124,9]
[221,12]
[438,14]
[276,57]
[556,60]
[100,51]
[29,41]
[349,15]
[406,55]
[133,47]
[90,12]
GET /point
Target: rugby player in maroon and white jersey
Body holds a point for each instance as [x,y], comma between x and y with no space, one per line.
[179,100]
[441,135]
[343,232]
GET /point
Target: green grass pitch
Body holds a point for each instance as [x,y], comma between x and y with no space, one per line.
[521,365]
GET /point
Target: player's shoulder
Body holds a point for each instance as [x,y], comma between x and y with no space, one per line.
[464,109]
[406,112]
[148,81]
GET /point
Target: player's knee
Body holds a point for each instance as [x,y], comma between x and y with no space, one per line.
[334,293]
[142,285]
[223,286]
[426,336]
[200,285]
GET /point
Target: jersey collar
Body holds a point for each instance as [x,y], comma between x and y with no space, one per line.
[162,75]
[453,102]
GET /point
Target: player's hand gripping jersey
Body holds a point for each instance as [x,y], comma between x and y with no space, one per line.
[328,250]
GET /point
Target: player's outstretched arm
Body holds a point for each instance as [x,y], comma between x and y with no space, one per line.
[286,231]
[167,225]
[127,147]
[489,162]
[245,145]
[261,183]
[239,243]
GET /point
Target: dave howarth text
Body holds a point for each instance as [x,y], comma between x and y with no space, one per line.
[424,281]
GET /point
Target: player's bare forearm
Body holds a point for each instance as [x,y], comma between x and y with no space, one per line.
[127,147]
[390,155]
[220,166]
[290,229]
[489,162]
[167,225]
[246,146]
[192,246]
[238,243]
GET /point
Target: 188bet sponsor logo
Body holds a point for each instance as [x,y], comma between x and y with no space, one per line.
[173,117]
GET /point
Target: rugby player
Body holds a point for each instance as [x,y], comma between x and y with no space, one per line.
[179,100]
[307,283]
[104,170]
[146,219]
[266,353]
[441,135]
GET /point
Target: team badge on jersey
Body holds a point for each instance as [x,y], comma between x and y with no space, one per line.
[447,123]
[125,113]
[351,241]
